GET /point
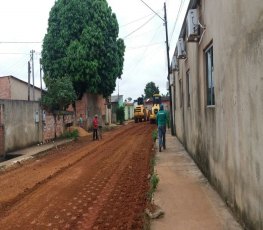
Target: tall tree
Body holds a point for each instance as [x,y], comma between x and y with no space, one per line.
[59,95]
[151,89]
[82,44]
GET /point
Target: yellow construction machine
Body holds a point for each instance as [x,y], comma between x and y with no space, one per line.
[140,112]
[157,100]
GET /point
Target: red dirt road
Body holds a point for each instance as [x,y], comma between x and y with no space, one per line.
[82,185]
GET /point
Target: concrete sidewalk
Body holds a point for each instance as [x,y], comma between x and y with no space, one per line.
[28,153]
[184,194]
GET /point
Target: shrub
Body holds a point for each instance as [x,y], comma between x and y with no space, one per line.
[71,134]
[120,114]
[154,135]
[154,180]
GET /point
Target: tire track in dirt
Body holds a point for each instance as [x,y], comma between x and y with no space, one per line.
[85,198]
[40,174]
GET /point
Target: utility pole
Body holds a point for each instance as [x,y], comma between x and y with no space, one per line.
[33,76]
[29,86]
[168,60]
[168,68]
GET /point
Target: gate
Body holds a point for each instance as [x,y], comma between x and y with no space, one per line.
[2,132]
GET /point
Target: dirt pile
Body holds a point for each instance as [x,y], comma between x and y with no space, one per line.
[82,132]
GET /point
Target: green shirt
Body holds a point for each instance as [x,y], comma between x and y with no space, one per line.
[161,118]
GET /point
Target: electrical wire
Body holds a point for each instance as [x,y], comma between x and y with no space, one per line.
[24,42]
[177,17]
[139,27]
[143,46]
[152,10]
[143,56]
[136,20]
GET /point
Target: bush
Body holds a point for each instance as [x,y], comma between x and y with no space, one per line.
[154,135]
[120,114]
[153,185]
[73,134]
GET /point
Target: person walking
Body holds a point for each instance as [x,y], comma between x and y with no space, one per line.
[161,123]
[95,127]
[81,121]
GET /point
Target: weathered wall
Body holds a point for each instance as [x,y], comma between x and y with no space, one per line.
[88,106]
[226,140]
[55,124]
[128,111]
[19,90]
[2,141]
[20,127]
[16,89]
[2,133]
[5,92]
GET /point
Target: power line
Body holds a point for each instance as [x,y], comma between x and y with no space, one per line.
[136,20]
[24,42]
[14,53]
[139,27]
[143,46]
[177,17]
[152,10]
[135,65]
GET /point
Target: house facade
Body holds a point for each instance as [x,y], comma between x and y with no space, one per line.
[116,101]
[15,89]
[217,99]
[165,102]
[24,123]
[88,106]
[128,110]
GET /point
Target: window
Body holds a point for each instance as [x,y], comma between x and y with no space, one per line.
[188,87]
[210,76]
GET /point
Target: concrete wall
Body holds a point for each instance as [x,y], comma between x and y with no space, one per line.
[19,90]
[128,111]
[226,140]
[20,127]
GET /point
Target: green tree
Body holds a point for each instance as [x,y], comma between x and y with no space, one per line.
[59,95]
[120,114]
[82,43]
[151,89]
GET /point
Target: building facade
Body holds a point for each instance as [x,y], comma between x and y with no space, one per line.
[128,110]
[217,92]
[15,89]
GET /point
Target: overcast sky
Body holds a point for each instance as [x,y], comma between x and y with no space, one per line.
[142,30]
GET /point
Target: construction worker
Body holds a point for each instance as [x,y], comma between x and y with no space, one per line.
[95,123]
[161,122]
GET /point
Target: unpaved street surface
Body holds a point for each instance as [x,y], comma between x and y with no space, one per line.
[82,185]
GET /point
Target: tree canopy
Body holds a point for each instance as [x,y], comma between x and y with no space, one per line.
[82,44]
[59,95]
[151,89]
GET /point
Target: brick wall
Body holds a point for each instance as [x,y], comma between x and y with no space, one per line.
[5,92]
[55,125]
[88,106]
[2,132]
[2,141]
